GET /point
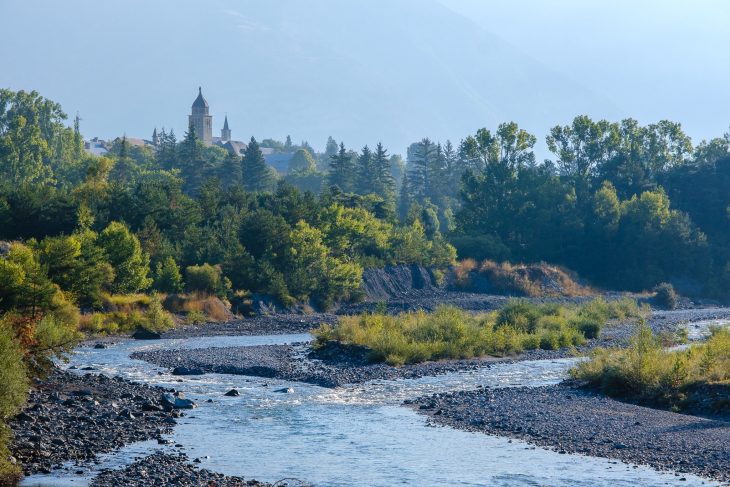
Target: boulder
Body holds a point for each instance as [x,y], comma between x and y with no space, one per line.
[232,393]
[177,402]
[285,390]
[145,334]
[187,371]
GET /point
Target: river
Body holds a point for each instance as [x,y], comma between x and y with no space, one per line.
[349,436]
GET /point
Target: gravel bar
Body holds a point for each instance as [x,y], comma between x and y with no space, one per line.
[572,420]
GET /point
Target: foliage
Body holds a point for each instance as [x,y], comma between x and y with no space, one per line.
[257,176]
[130,263]
[665,296]
[647,372]
[204,278]
[167,276]
[451,333]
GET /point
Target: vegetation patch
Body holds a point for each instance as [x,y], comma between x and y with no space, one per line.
[532,280]
[451,333]
[647,372]
[665,296]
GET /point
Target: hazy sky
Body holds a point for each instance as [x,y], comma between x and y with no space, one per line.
[363,71]
[653,58]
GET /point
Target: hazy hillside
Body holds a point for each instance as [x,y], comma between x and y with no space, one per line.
[385,70]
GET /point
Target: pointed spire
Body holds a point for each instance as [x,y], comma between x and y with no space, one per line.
[200,101]
[225,123]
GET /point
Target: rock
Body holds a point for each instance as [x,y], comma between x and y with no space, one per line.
[145,334]
[187,371]
[101,346]
[285,390]
[177,402]
[149,407]
[232,393]
[23,417]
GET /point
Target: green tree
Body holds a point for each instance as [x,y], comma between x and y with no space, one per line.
[365,172]
[257,176]
[167,276]
[302,161]
[125,254]
[341,170]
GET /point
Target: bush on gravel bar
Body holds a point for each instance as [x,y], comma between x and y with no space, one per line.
[647,372]
[451,333]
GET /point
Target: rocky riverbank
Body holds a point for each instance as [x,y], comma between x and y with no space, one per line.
[571,420]
[73,417]
[278,324]
[161,469]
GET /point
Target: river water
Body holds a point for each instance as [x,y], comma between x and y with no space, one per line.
[349,436]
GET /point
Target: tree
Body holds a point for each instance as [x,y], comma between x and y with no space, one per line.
[383,181]
[425,171]
[364,172]
[230,173]
[257,176]
[24,144]
[341,170]
[167,276]
[330,149]
[126,257]
[288,144]
[193,166]
[302,161]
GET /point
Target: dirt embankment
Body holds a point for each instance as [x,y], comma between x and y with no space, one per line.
[397,281]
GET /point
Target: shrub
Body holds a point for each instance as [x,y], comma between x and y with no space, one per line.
[665,296]
[518,314]
[204,278]
[13,391]
[157,318]
[590,328]
[646,371]
[195,318]
[462,270]
[451,333]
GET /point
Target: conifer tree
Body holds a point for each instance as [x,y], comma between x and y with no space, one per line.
[406,196]
[330,149]
[230,171]
[424,172]
[256,174]
[383,181]
[364,174]
[341,170]
[191,160]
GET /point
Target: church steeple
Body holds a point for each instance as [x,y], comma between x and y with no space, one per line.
[199,118]
[226,132]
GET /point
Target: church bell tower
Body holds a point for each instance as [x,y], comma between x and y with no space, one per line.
[200,120]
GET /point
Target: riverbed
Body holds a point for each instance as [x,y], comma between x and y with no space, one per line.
[347,436]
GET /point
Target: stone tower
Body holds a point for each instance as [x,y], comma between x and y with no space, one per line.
[226,132]
[200,120]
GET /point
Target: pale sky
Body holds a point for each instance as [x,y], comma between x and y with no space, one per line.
[365,71]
